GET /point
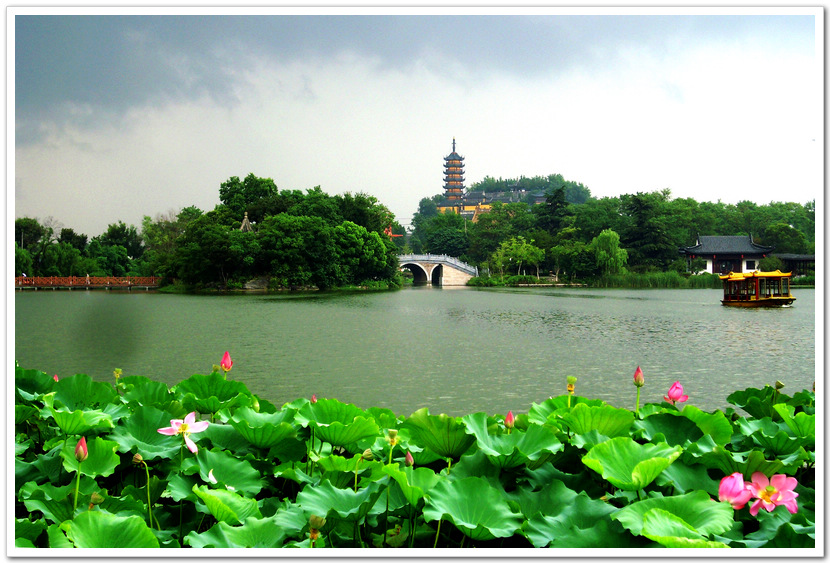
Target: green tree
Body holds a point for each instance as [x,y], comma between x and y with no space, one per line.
[785,239]
[610,258]
[447,240]
[72,238]
[238,194]
[22,261]
[646,236]
[28,232]
[551,215]
[771,264]
[127,237]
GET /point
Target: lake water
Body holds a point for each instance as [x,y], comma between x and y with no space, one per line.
[454,350]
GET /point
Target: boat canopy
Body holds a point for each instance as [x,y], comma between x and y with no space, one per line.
[738,276]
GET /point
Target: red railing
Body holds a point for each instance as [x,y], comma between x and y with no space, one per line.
[83,281]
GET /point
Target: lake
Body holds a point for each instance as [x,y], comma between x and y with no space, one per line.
[454,350]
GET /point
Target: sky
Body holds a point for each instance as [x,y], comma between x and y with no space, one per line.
[126,113]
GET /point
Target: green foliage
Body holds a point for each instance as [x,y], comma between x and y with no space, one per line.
[572,473]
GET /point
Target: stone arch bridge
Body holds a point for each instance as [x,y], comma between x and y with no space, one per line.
[437,269]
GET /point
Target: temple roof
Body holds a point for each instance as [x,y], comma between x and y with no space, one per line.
[741,244]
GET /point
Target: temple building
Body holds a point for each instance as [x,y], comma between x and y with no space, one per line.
[471,204]
[724,254]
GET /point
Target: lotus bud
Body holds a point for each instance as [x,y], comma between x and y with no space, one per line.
[81,452]
[55,377]
[779,385]
[410,461]
[314,398]
[137,459]
[368,455]
[509,420]
[639,380]
[227,363]
[95,499]
[117,374]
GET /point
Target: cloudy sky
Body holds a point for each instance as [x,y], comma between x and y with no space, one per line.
[139,113]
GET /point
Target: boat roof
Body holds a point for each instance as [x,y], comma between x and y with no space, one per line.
[737,276]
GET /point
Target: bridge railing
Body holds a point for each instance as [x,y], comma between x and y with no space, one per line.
[83,281]
[441,258]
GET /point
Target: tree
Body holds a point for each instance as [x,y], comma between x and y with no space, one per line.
[646,236]
[447,240]
[785,239]
[770,264]
[72,238]
[551,214]
[239,195]
[28,232]
[119,234]
[610,258]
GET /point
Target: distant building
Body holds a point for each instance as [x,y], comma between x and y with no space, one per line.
[724,254]
[472,204]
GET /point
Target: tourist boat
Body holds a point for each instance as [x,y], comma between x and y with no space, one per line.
[757,289]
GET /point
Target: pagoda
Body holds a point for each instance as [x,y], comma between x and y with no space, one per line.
[453,177]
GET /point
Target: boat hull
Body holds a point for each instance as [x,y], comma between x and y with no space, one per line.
[754,303]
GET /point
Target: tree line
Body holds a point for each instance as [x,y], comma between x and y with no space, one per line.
[577,237]
[296,239]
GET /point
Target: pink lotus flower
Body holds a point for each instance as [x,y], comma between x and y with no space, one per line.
[734,490]
[676,394]
[772,492]
[55,377]
[314,398]
[509,420]
[639,380]
[81,451]
[227,363]
[186,427]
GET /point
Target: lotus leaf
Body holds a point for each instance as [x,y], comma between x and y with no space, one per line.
[540,413]
[327,501]
[80,392]
[415,483]
[209,394]
[669,428]
[77,422]
[514,449]
[757,402]
[255,532]
[339,424]
[578,522]
[714,424]
[628,465]
[685,478]
[25,413]
[54,502]
[696,509]
[477,509]
[227,506]
[605,419]
[263,430]
[746,463]
[57,539]
[102,459]
[139,434]
[228,469]
[25,528]
[549,500]
[672,531]
[226,437]
[153,394]
[32,383]
[445,435]
[94,528]
[802,424]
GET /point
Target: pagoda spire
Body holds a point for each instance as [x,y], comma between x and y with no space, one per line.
[454,176]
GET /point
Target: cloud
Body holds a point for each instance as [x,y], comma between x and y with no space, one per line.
[710,108]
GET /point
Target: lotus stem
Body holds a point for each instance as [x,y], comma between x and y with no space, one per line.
[77,486]
[437,532]
[637,405]
[149,504]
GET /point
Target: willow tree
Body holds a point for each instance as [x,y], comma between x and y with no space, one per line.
[611,259]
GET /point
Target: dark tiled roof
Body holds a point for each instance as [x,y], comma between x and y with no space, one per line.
[726,245]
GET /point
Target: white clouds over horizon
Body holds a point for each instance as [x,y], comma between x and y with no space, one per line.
[726,118]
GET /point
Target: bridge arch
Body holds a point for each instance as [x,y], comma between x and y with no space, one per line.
[420,274]
[437,269]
